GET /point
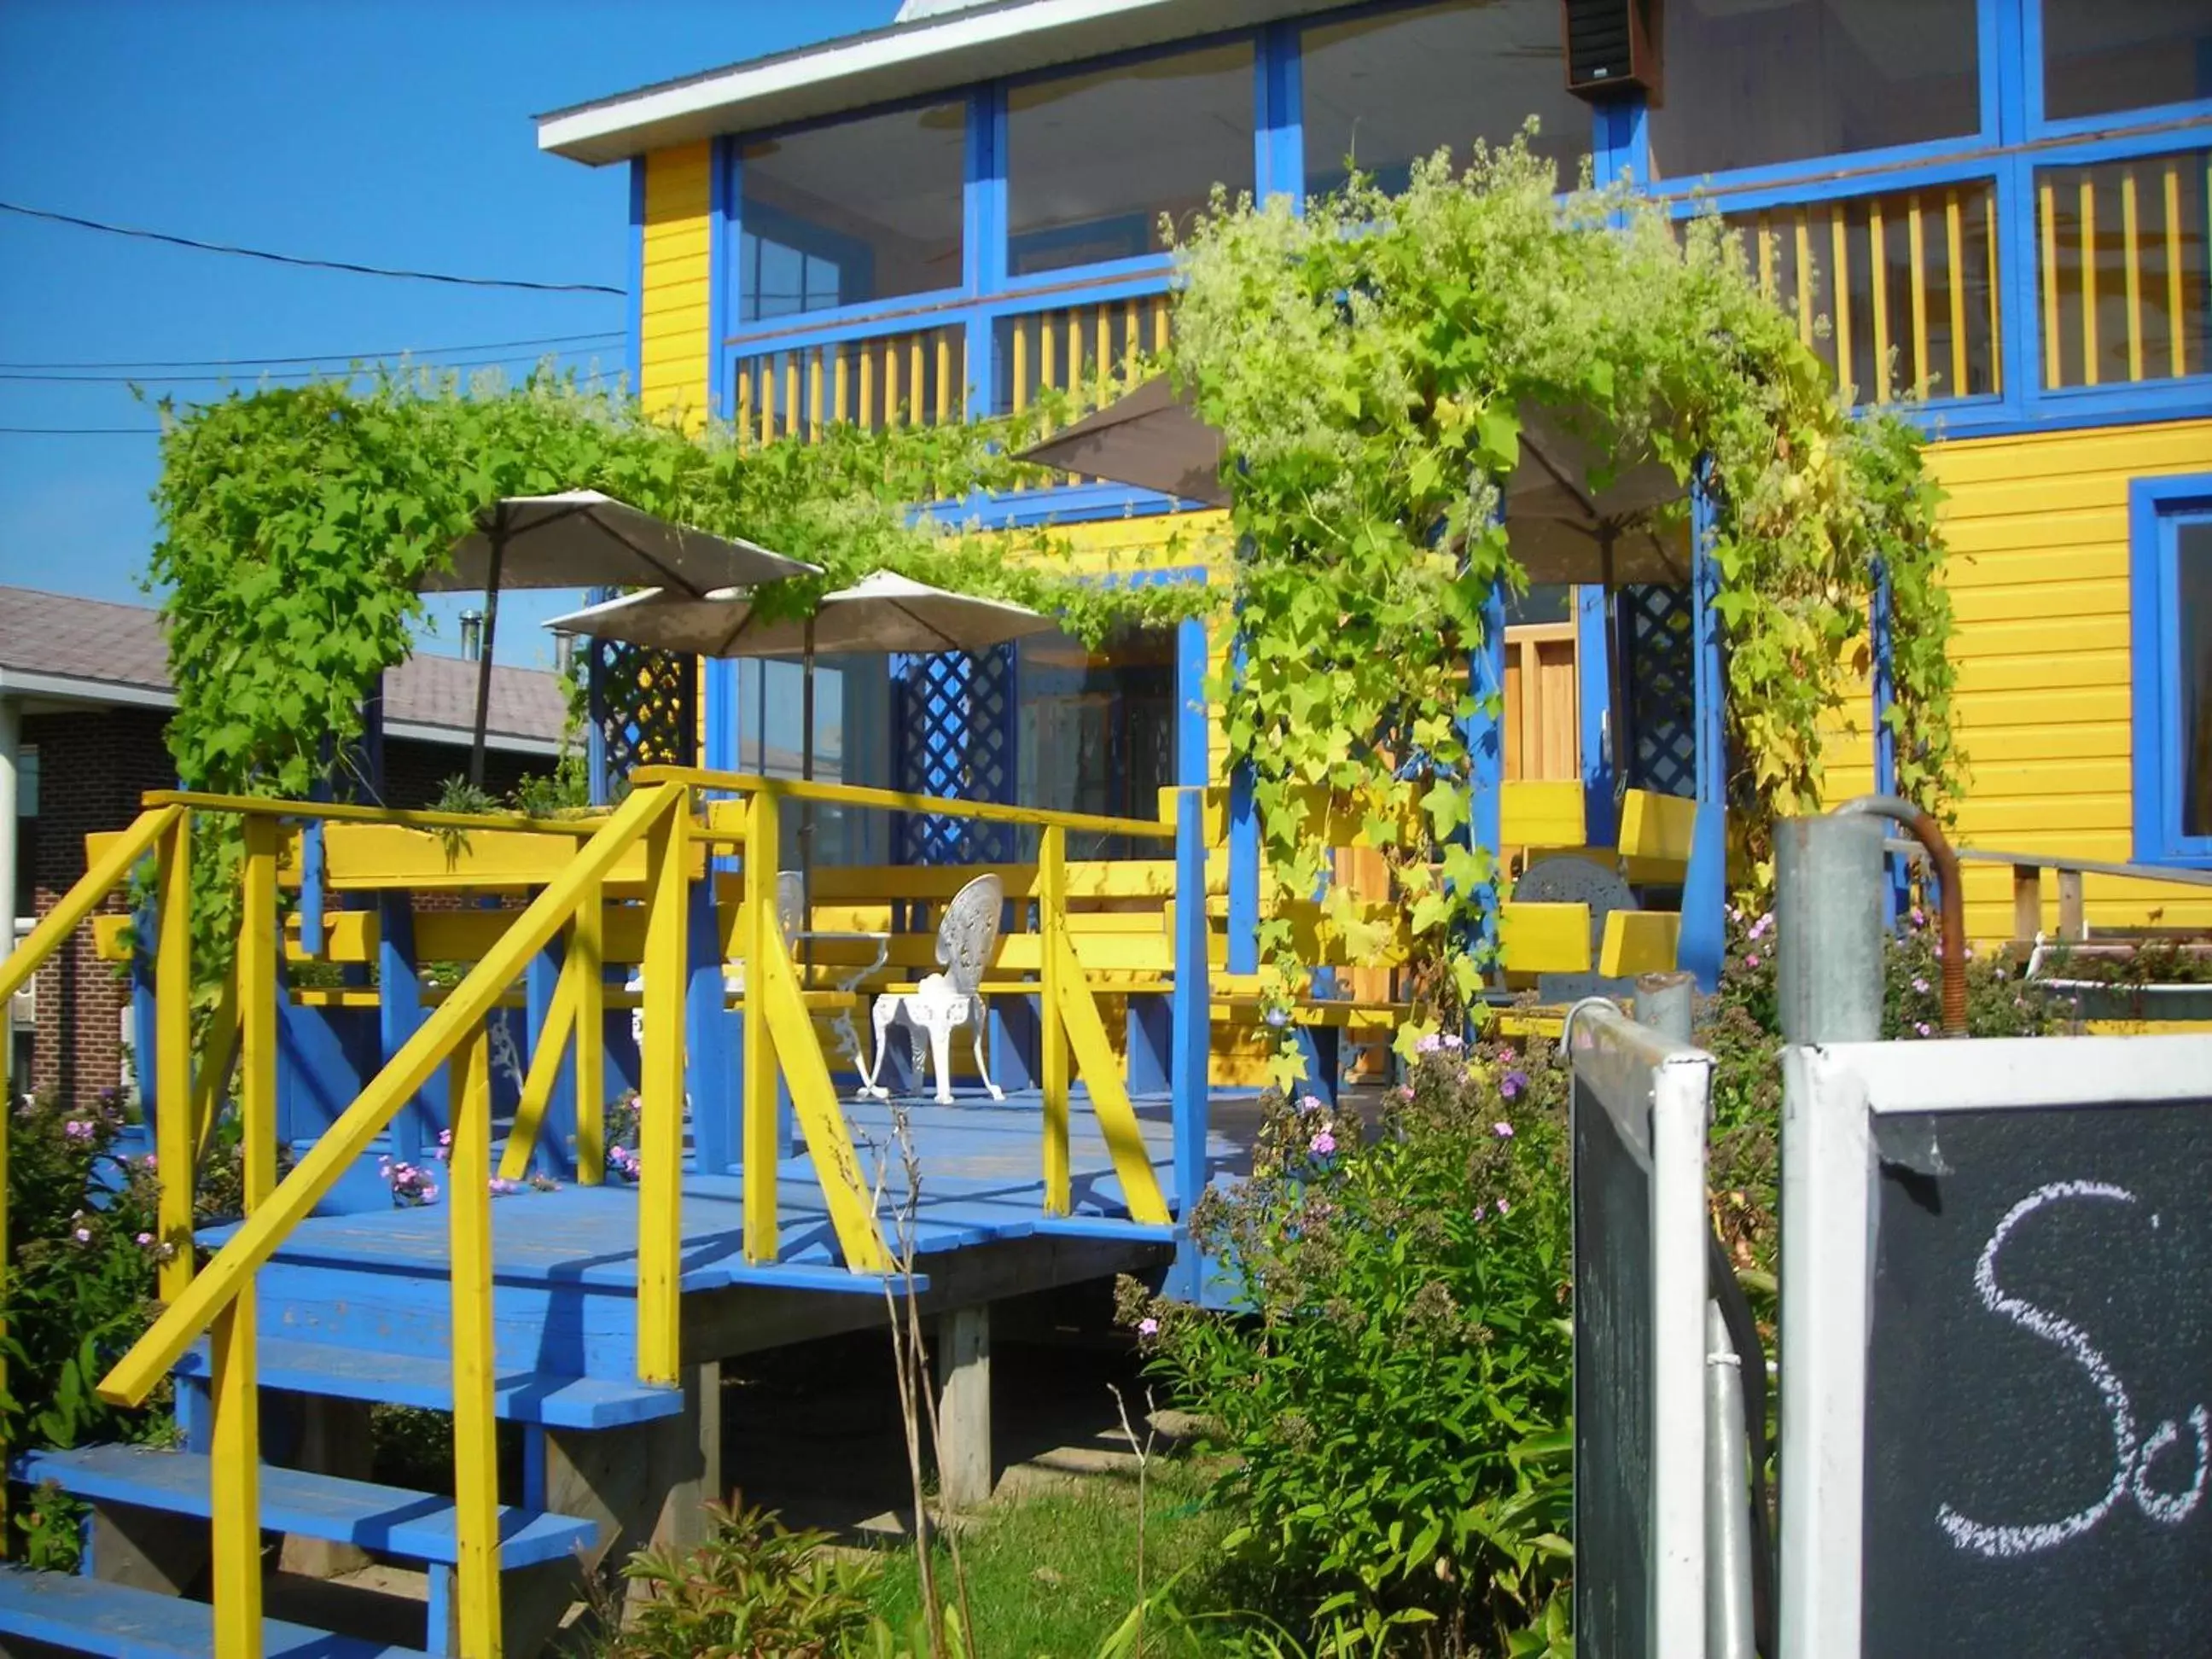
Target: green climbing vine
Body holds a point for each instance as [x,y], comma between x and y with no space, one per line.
[298,523]
[1371,361]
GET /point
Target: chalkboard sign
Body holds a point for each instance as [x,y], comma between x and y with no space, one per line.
[1638,1135]
[2028,1422]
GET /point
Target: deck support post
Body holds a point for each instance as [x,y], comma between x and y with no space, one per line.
[964,1406]
[644,1484]
[335,1438]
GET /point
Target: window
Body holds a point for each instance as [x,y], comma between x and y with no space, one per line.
[1385,91]
[2170,580]
[2100,56]
[1093,161]
[2122,273]
[1755,82]
[866,209]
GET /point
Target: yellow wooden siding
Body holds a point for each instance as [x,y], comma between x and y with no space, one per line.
[674,310]
[2038,531]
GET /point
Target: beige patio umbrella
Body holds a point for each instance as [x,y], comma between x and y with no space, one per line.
[881,613]
[583,538]
[1562,531]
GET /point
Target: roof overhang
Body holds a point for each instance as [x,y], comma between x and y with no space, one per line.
[907,60]
[42,694]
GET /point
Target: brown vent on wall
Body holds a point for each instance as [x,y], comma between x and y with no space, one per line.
[1612,47]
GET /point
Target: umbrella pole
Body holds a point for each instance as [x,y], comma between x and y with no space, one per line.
[483,657]
[1615,682]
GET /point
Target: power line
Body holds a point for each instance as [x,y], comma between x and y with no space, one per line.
[266,375]
[198,246]
[80,431]
[319,356]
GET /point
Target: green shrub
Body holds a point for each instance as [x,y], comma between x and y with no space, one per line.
[754,1587]
[1396,1401]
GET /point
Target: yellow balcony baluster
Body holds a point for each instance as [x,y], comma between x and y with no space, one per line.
[2131,250]
[174,1151]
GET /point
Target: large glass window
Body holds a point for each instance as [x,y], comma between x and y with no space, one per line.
[866,209]
[2100,56]
[1093,161]
[2192,681]
[1755,82]
[2171,600]
[1385,91]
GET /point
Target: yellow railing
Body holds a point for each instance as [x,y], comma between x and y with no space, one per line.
[1080,350]
[1906,280]
[915,377]
[653,846]
[2122,269]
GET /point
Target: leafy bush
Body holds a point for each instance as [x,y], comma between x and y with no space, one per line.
[754,1587]
[1396,1401]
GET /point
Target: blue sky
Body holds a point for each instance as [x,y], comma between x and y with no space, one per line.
[393,132]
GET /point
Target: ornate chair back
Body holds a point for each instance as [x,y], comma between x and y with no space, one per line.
[969,931]
[790,904]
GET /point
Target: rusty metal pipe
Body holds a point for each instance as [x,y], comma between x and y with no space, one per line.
[1921,825]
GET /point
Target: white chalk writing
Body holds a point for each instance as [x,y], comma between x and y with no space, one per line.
[2132,1458]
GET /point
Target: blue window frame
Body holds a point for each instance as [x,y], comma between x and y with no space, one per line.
[2170,584]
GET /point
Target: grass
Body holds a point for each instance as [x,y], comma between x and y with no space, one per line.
[1054,1572]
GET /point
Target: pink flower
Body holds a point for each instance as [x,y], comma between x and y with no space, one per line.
[1504,1208]
[430,1194]
[1501,1129]
[83,1234]
[1404,1092]
[1451,1039]
[1148,1326]
[1923,1028]
[77,1129]
[1920,985]
[1309,1102]
[1751,960]
[1322,1145]
[1762,926]
[1511,1085]
[148,1160]
[145,1239]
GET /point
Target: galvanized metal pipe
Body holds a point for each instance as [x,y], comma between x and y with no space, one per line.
[1929,834]
[1728,1627]
[1828,978]
[1668,1004]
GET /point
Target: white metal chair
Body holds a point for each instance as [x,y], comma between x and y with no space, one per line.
[943,1001]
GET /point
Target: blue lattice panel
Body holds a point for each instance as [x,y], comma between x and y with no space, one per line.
[1657,660]
[953,726]
[645,711]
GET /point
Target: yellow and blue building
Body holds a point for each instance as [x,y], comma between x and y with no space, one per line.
[1996,209]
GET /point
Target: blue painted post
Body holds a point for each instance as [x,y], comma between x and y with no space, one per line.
[1243,872]
[1190,1009]
[145,931]
[311,874]
[711,1075]
[1278,137]
[1704,940]
[1594,672]
[983,240]
[1484,733]
[557,1128]
[399,1011]
[1894,890]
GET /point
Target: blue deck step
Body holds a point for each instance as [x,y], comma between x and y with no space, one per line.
[561,1402]
[388,1518]
[86,1616]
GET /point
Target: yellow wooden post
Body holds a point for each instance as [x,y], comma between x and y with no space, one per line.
[173,1140]
[866,417]
[1989,255]
[234,1524]
[2088,203]
[1917,243]
[1052,921]
[944,376]
[2131,251]
[1805,280]
[744,406]
[814,393]
[2175,319]
[1102,316]
[2047,209]
[763,1137]
[1160,322]
[1767,255]
[1840,285]
[660,1106]
[1878,291]
[1954,247]
[840,377]
[547,1052]
[476,1448]
[1021,356]
[891,406]
[219,1048]
[917,377]
[587,951]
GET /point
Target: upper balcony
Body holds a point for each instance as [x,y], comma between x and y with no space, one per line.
[1997,208]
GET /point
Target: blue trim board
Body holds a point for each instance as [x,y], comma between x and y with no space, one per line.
[724,236]
[2155,508]
[1703,942]
[1594,676]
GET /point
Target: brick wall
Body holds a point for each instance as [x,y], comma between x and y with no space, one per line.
[93,768]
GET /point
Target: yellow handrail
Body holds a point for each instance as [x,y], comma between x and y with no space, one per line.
[94,885]
[135,1375]
[892,800]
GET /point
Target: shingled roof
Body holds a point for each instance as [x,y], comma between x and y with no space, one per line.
[58,646]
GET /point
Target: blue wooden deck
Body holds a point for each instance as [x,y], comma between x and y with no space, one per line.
[981,1182]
